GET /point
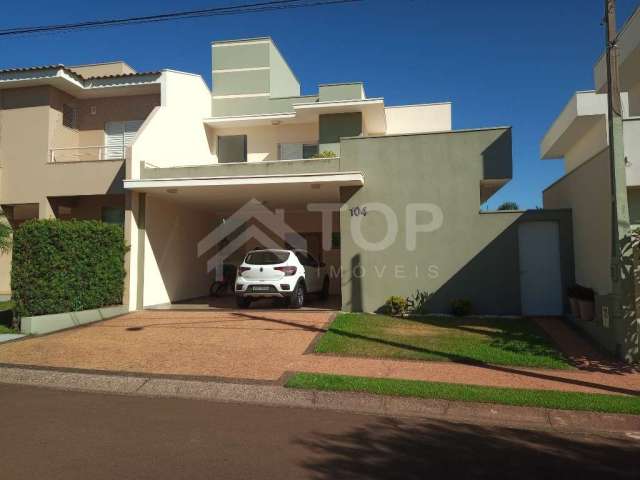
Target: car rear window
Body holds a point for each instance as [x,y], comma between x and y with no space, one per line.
[266,257]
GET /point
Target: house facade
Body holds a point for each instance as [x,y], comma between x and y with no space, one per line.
[387,197]
[579,136]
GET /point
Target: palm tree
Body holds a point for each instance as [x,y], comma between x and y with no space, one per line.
[5,234]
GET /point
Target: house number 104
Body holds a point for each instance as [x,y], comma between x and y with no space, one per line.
[358,211]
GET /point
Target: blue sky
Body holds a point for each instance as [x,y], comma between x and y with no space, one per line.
[500,62]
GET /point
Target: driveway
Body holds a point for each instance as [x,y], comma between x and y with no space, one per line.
[263,344]
[259,344]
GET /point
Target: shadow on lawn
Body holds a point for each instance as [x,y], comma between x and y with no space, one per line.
[397,449]
[451,357]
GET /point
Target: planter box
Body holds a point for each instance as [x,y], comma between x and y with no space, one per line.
[60,321]
[587,308]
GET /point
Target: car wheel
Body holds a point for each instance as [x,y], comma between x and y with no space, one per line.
[297,296]
[324,293]
[243,302]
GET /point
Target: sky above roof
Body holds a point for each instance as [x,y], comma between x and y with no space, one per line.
[500,62]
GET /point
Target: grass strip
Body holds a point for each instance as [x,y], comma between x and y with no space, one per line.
[593,402]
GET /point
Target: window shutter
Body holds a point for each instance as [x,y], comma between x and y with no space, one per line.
[114,140]
[131,128]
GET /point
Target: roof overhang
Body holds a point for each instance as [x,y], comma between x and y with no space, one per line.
[344,179]
[226,194]
[628,43]
[373,115]
[372,109]
[582,112]
[65,80]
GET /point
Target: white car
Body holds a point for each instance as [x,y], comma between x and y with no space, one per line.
[285,274]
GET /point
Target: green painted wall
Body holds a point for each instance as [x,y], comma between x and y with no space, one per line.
[341,91]
[241,83]
[240,56]
[335,126]
[633,196]
[472,255]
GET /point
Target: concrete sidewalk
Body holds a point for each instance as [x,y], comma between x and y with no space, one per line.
[276,395]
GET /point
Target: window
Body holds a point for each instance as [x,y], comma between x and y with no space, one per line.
[69,116]
[113,215]
[118,136]
[266,257]
[296,151]
[232,149]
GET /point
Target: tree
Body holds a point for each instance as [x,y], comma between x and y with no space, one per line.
[509,206]
[5,234]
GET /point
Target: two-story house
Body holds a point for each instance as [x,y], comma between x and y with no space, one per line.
[579,135]
[387,197]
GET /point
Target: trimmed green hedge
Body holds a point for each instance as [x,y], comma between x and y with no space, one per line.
[66,266]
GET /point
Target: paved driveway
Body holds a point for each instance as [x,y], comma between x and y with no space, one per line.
[256,344]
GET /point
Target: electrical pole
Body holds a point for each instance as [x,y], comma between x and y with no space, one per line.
[622,271]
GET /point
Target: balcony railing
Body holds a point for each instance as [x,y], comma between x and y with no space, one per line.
[86,154]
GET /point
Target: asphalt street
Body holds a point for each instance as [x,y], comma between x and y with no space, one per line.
[55,434]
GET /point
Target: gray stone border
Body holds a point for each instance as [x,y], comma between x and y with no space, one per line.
[279,396]
[43,324]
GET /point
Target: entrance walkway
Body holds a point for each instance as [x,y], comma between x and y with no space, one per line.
[264,345]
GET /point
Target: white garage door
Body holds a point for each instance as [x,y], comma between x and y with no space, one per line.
[540,282]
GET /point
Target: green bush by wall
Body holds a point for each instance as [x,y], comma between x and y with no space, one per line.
[63,266]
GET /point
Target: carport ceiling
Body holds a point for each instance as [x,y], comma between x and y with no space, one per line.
[227,199]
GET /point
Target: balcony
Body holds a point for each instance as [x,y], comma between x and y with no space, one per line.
[86,154]
[294,179]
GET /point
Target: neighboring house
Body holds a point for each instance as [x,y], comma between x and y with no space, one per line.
[579,136]
[192,157]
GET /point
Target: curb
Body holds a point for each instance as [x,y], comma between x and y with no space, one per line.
[276,395]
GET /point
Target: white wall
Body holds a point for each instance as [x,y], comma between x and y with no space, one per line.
[262,141]
[174,134]
[418,118]
[172,269]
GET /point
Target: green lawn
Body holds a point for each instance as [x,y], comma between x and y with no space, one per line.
[468,393]
[502,341]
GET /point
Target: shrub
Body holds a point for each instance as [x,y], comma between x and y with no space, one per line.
[325,154]
[5,234]
[461,307]
[508,206]
[418,302]
[395,305]
[61,266]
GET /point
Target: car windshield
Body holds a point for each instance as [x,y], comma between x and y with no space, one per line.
[266,257]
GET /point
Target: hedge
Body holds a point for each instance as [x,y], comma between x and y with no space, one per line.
[65,266]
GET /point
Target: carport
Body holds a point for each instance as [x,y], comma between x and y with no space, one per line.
[183,223]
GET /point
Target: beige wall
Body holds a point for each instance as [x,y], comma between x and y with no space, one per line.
[172,269]
[263,141]
[102,69]
[31,123]
[418,118]
[587,146]
[586,191]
